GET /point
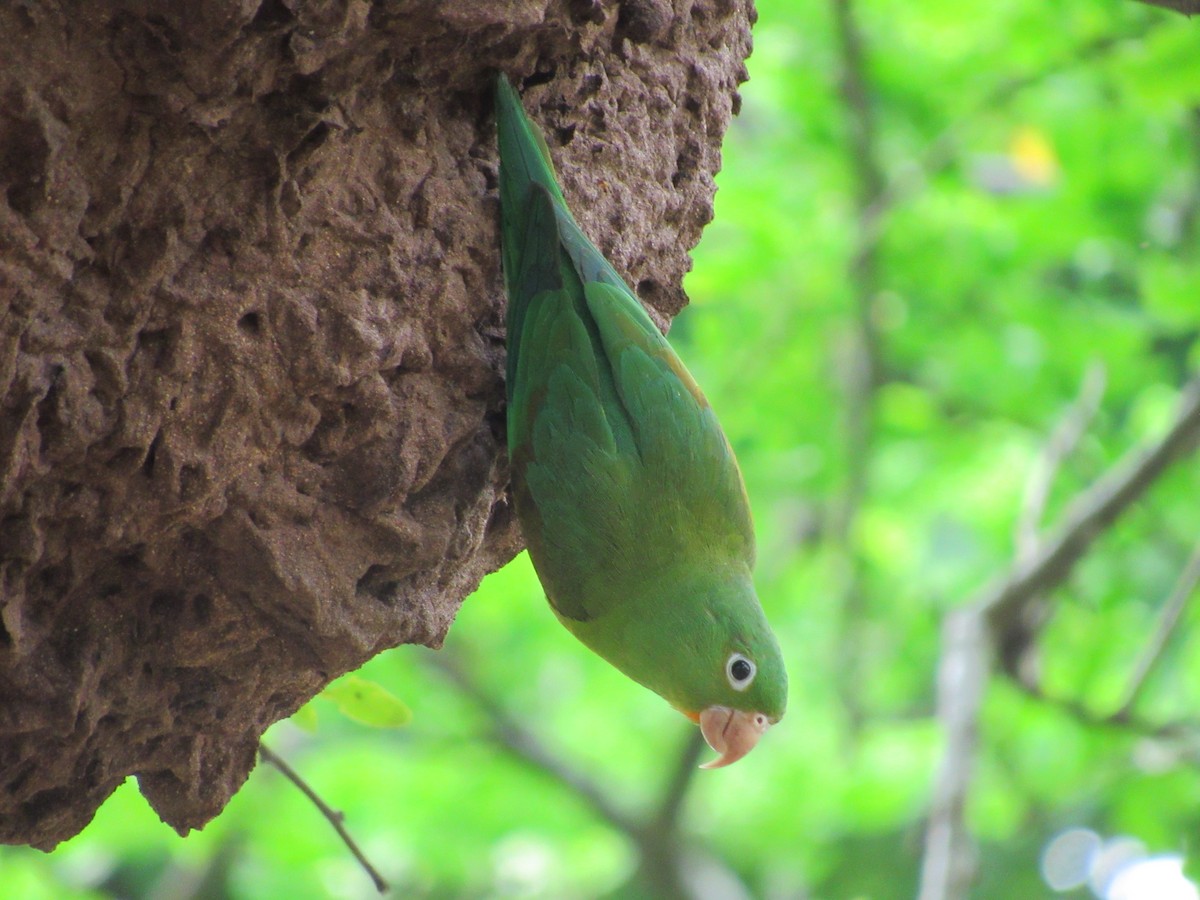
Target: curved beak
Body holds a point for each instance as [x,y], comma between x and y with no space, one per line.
[731,732]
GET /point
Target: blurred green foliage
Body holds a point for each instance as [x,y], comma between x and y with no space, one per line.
[1043,166]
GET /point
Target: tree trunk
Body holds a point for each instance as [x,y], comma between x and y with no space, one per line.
[251,345]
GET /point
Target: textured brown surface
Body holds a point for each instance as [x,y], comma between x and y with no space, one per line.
[251,344]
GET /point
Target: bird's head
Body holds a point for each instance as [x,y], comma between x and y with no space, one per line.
[736,684]
[733,723]
[749,697]
[706,648]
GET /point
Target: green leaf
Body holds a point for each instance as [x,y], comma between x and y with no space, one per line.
[367,702]
[305,718]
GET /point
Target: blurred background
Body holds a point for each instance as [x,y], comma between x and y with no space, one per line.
[952,280]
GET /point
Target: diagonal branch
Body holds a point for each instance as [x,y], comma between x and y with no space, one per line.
[1066,437]
[1091,514]
[973,634]
[1018,642]
[335,818]
[1172,611]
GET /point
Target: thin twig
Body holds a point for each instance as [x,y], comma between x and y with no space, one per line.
[1065,438]
[1018,643]
[1169,618]
[335,818]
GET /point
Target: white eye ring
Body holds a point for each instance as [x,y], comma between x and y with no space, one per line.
[740,671]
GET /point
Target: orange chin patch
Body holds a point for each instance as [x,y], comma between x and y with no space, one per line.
[695,717]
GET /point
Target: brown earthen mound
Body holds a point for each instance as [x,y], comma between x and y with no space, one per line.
[251,345]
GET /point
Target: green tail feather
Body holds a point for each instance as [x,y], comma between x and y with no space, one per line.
[534,244]
[524,162]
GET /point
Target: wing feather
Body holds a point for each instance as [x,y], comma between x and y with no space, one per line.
[680,442]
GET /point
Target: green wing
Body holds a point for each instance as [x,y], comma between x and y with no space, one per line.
[685,459]
[604,419]
[569,452]
[619,465]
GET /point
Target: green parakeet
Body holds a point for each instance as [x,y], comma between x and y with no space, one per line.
[628,494]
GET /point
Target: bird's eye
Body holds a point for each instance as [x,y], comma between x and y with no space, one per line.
[740,671]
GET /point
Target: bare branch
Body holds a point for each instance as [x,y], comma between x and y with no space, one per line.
[1172,610]
[1065,438]
[973,634]
[948,866]
[1018,643]
[335,818]
[1090,514]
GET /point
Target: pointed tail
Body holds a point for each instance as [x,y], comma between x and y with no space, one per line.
[524,162]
